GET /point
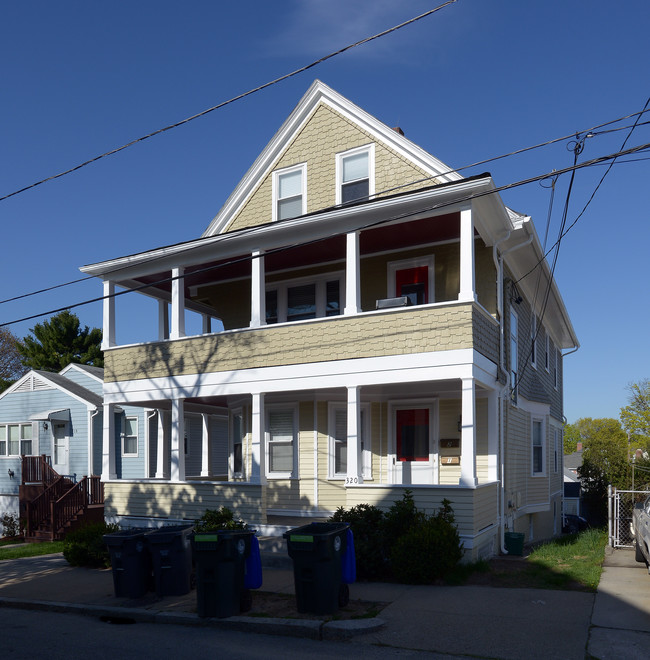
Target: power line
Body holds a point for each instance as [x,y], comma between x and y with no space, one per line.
[593,130]
[435,207]
[232,100]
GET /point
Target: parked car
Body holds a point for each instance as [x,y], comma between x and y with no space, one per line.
[572,524]
[641,529]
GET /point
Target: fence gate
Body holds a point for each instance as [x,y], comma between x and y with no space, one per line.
[621,505]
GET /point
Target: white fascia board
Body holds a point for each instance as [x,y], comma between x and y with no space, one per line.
[89,404]
[396,369]
[437,200]
[317,93]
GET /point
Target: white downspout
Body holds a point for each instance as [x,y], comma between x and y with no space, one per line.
[498,260]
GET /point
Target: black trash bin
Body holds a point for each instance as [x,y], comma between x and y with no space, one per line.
[220,558]
[317,551]
[130,561]
[171,555]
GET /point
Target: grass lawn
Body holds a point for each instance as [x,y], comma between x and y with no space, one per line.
[573,562]
[30,549]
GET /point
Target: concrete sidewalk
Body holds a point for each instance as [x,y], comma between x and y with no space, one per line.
[464,621]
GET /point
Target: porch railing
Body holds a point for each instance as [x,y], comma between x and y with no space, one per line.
[39,509]
[37,470]
[76,500]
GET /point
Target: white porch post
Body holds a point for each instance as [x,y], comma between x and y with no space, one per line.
[468,435]
[206,324]
[354,471]
[352,278]
[108,332]
[177,467]
[163,320]
[178,303]
[493,435]
[258,432]
[162,451]
[467,282]
[108,444]
[258,293]
[206,449]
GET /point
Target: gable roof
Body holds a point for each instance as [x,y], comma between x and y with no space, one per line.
[35,379]
[316,95]
[96,372]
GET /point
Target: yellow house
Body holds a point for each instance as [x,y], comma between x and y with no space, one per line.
[368,327]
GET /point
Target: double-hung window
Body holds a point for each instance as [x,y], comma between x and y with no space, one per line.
[355,174]
[289,196]
[281,442]
[297,300]
[130,437]
[338,432]
[15,439]
[538,447]
[514,354]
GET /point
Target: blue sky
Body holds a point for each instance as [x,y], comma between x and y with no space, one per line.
[478,79]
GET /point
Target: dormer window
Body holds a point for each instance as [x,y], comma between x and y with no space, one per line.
[289,192]
[355,174]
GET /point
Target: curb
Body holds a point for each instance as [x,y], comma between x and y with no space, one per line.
[305,628]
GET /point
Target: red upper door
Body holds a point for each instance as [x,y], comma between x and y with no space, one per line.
[414,284]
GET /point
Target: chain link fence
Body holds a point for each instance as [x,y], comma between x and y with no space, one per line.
[621,506]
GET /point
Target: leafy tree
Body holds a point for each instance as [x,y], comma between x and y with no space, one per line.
[604,461]
[11,367]
[571,438]
[636,416]
[60,341]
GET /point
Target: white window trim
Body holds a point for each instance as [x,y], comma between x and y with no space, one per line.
[320,281]
[34,439]
[556,376]
[237,412]
[533,341]
[547,353]
[405,264]
[267,441]
[532,446]
[556,448]
[514,391]
[137,437]
[275,185]
[370,149]
[366,454]
[187,437]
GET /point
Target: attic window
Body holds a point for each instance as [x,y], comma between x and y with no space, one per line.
[355,174]
[289,192]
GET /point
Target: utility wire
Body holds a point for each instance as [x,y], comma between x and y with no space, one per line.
[232,100]
[593,130]
[435,207]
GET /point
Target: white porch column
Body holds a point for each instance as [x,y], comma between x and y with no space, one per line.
[162,451]
[467,287]
[206,448]
[352,277]
[493,435]
[354,467]
[206,324]
[163,320]
[178,303]
[108,444]
[258,290]
[108,332]
[258,432]
[177,467]
[468,435]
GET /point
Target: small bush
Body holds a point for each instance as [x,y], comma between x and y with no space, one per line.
[85,546]
[213,520]
[429,551]
[366,525]
[11,525]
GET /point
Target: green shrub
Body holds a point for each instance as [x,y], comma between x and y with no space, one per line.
[11,525]
[85,546]
[213,520]
[402,517]
[429,551]
[366,525]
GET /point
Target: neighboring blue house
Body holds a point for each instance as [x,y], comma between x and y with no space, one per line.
[51,438]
